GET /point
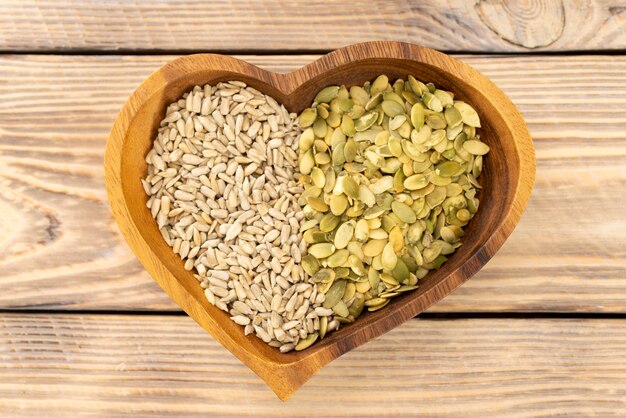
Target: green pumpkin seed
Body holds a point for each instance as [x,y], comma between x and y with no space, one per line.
[329,222]
[365,121]
[432,102]
[361,230]
[403,212]
[338,259]
[350,150]
[317,204]
[453,117]
[341,106]
[338,204]
[416,182]
[307,117]
[307,162]
[475,147]
[436,121]
[306,140]
[341,309]
[394,97]
[367,196]
[382,185]
[417,116]
[335,293]
[324,276]
[397,122]
[323,327]
[320,127]
[400,271]
[338,157]
[374,101]
[321,158]
[347,125]
[469,115]
[477,168]
[389,259]
[448,169]
[375,302]
[379,85]
[333,120]
[318,177]
[310,265]
[358,304]
[322,250]
[327,94]
[445,97]
[374,247]
[306,342]
[392,108]
[410,97]
[417,87]
[344,234]
[359,95]
[322,110]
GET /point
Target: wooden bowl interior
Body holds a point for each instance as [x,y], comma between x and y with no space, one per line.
[500,175]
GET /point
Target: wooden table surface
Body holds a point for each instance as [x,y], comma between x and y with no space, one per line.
[540,331]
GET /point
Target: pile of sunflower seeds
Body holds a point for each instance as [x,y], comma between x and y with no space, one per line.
[223,187]
[390,176]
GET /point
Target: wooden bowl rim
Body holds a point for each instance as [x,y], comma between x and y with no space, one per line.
[284,378]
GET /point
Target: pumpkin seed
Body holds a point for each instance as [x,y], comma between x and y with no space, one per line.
[327,94]
[307,117]
[329,222]
[475,147]
[341,309]
[374,247]
[338,259]
[380,84]
[344,234]
[415,182]
[322,250]
[310,264]
[469,115]
[359,95]
[392,108]
[403,212]
[377,307]
[323,327]
[448,169]
[306,342]
[389,258]
[338,204]
[365,121]
[335,293]
[432,102]
[374,101]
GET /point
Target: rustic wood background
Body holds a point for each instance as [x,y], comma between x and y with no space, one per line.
[541,330]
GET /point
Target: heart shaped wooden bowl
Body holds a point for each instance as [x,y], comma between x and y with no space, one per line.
[507,178]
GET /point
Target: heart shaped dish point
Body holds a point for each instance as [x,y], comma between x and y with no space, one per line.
[507,179]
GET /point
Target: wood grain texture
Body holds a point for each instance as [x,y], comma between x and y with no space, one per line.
[240,25]
[75,365]
[509,174]
[63,251]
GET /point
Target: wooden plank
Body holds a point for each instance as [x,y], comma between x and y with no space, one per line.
[71,365]
[61,250]
[240,25]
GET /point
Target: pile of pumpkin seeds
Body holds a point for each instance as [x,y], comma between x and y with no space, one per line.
[390,179]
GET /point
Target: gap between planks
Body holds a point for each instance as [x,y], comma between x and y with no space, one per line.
[431,316]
